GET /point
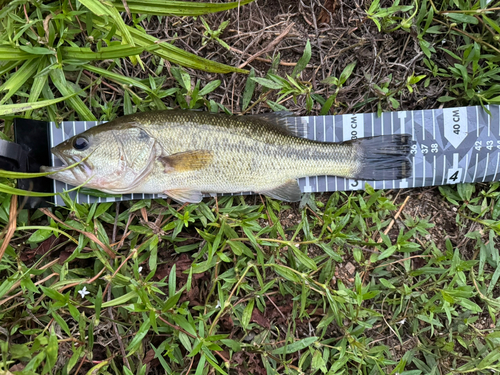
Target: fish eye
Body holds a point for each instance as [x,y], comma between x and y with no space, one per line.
[80,143]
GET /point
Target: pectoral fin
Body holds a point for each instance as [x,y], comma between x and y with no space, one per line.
[186,161]
[185,195]
[289,191]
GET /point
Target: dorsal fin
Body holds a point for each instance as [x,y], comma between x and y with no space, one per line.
[283,120]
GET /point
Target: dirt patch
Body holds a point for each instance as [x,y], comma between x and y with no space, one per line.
[339,33]
[428,204]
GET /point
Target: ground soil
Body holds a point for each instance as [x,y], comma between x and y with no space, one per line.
[339,34]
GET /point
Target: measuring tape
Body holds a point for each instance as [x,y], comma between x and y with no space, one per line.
[450,146]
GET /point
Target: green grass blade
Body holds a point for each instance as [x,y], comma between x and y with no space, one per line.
[8,66]
[303,61]
[52,108]
[116,77]
[174,54]
[168,51]
[249,90]
[492,23]
[75,102]
[113,52]
[189,60]
[18,175]
[295,346]
[10,109]
[118,301]
[8,53]
[18,79]
[15,191]
[108,10]
[39,82]
[177,8]
[127,38]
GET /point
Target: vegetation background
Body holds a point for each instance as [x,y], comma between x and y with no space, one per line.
[374,282]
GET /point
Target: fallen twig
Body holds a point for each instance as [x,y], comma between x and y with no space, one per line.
[91,236]
[11,226]
[269,47]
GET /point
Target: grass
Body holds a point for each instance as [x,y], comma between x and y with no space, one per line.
[373,282]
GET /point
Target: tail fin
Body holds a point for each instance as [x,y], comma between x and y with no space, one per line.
[384,157]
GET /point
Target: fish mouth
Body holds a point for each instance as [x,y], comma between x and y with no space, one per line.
[66,162]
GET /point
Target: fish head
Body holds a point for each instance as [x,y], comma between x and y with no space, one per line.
[113,159]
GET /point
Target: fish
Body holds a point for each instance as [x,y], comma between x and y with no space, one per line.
[186,154]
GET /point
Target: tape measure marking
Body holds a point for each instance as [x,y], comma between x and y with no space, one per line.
[487,166]
[475,168]
[315,138]
[466,166]
[496,169]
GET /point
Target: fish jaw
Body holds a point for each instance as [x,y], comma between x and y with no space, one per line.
[73,176]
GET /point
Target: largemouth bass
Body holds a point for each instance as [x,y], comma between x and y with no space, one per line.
[185,154]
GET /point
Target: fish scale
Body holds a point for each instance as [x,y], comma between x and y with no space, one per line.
[235,154]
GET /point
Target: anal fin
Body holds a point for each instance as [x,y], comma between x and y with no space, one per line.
[185,195]
[289,192]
